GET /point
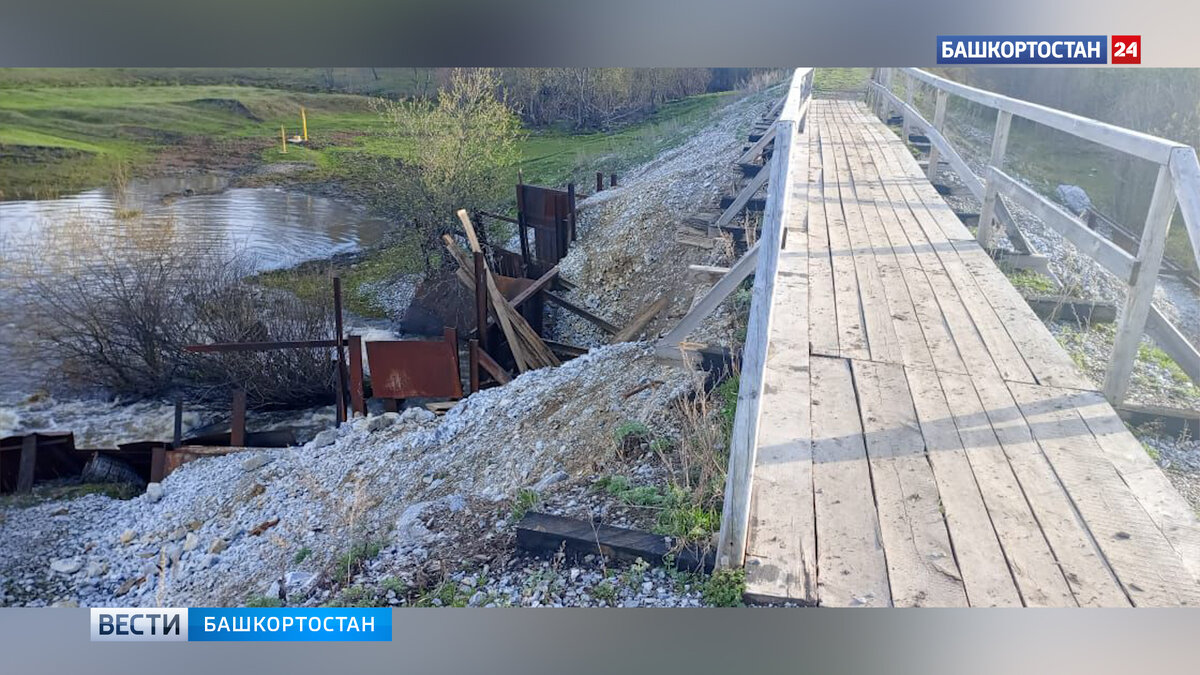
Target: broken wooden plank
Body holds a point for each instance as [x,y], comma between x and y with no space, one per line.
[668,346]
[582,312]
[639,323]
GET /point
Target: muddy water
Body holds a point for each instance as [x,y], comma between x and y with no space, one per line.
[274,228]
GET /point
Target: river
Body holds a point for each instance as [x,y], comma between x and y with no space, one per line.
[275,228]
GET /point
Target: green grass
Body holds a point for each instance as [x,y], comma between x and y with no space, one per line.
[1030,282]
[350,562]
[312,282]
[525,501]
[263,601]
[724,588]
[841,79]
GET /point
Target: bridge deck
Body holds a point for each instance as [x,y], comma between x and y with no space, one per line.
[924,440]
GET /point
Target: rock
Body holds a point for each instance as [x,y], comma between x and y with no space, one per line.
[551,479]
[1074,197]
[256,461]
[217,546]
[66,565]
[381,422]
[154,492]
[96,569]
[325,439]
[127,536]
[191,541]
[299,583]
[208,561]
[416,415]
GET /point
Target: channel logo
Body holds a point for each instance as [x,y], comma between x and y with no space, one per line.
[134,624]
[1022,49]
[207,624]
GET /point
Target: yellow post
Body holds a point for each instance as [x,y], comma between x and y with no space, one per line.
[304,123]
[283,139]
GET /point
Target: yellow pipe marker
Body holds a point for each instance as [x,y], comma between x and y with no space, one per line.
[304,123]
[283,139]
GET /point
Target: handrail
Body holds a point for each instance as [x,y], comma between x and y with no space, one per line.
[1178,183]
[1131,142]
[787,166]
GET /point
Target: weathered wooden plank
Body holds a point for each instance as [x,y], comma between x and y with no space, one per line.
[823,320]
[1091,580]
[781,553]
[643,319]
[898,220]
[877,316]
[1033,565]
[852,338]
[1185,171]
[1166,507]
[1023,349]
[1167,336]
[920,560]
[981,560]
[877,209]
[851,570]
[735,515]
[1147,565]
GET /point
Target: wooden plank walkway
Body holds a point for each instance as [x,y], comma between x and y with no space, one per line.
[924,440]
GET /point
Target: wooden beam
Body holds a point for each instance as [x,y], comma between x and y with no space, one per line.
[1174,343]
[1109,255]
[547,534]
[642,320]
[755,150]
[743,197]
[580,311]
[668,346]
[1132,323]
[494,369]
[939,123]
[1186,171]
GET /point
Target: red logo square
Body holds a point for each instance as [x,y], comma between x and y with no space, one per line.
[1126,49]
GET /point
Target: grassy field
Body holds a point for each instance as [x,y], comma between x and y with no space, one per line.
[66,130]
[840,80]
[58,139]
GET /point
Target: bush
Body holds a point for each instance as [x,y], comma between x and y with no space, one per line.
[116,304]
[725,588]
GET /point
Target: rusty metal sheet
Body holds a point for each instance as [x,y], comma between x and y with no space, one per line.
[550,213]
[415,368]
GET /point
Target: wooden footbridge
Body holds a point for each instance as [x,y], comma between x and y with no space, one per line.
[908,432]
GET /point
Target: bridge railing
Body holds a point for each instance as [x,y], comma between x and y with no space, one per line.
[1178,182]
[789,162]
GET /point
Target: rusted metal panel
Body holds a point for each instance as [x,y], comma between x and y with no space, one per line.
[415,368]
[29,458]
[357,395]
[237,420]
[550,214]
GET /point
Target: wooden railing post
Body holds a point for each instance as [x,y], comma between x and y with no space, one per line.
[939,122]
[1132,320]
[908,98]
[987,215]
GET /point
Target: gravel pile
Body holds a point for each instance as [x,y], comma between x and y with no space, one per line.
[627,255]
[225,530]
